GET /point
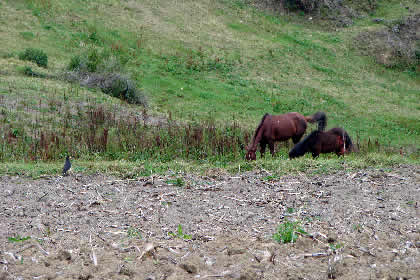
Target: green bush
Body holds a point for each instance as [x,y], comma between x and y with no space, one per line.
[120,86]
[35,55]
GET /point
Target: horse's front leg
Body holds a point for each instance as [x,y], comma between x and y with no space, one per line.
[271,146]
[262,148]
[316,150]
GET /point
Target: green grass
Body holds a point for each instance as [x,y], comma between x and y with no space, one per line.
[278,166]
[225,62]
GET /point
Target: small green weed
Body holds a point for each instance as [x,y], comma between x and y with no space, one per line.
[133,233]
[179,234]
[128,259]
[290,210]
[358,227]
[18,238]
[287,232]
[270,178]
[179,182]
[335,246]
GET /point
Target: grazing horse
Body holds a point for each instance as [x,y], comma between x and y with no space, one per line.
[334,140]
[281,128]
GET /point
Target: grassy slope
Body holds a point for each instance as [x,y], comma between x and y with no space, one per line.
[214,58]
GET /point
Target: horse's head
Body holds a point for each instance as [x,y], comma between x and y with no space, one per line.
[251,154]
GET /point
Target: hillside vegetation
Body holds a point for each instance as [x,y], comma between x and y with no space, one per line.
[208,69]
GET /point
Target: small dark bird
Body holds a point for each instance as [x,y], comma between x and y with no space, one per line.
[67,166]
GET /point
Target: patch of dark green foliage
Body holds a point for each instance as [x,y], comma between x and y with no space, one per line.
[35,55]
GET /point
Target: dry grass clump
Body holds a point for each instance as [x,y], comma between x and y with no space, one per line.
[112,83]
[104,71]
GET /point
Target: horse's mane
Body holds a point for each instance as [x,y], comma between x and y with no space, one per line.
[302,147]
[260,125]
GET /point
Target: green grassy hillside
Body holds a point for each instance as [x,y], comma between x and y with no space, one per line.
[219,64]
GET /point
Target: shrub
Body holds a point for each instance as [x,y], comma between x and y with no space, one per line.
[114,84]
[102,70]
[35,55]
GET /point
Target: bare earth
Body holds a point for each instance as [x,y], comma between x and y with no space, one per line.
[360,224]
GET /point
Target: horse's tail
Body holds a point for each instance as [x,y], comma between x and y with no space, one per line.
[304,146]
[259,126]
[319,117]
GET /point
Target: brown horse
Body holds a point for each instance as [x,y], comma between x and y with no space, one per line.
[334,140]
[281,128]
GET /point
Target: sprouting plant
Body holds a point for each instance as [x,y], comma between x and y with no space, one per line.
[18,238]
[270,178]
[335,246]
[179,182]
[358,227]
[180,233]
[287,232]
[48,231]
[128,259]
[290,210]
[133,233]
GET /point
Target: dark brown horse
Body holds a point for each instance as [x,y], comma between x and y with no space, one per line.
[281,128]
[335,140]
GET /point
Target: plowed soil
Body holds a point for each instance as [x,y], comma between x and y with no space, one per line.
[360,225]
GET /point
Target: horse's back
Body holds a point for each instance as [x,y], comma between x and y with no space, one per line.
[287,125]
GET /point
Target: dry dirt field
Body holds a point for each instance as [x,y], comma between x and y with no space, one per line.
[361,225]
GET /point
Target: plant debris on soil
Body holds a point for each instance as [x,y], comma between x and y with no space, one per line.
[355,225]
